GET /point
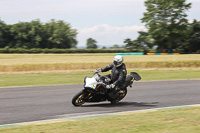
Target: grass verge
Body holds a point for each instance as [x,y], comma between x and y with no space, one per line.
[51,62]
[180,120]
[85,66]
[33,79]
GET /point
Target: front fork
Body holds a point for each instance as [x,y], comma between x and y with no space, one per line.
[87,95]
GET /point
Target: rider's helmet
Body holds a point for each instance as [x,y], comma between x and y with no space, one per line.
[118,60]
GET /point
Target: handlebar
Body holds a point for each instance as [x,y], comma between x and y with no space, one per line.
[104,85]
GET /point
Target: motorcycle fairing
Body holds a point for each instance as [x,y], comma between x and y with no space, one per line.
[96,98]
[90,82]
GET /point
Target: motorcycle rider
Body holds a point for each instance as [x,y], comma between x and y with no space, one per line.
[117,76]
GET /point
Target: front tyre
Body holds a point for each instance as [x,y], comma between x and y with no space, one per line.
[78,99]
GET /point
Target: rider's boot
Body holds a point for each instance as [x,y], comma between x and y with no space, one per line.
[113,94]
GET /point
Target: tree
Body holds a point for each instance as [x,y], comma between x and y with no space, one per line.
[91,43]
[22,36]
[145,40]
[103,47]
[192,42]
[5,35]
[59,34]
[116,46]
[166,22]
[34,34]
[129,44]
[27,34]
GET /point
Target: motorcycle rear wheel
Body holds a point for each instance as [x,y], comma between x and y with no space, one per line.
[121,95]
[78,99]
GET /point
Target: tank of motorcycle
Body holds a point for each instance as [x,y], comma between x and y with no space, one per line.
[90,82]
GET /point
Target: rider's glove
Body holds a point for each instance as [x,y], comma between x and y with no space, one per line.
[111,86]
[97,70]
[107,79]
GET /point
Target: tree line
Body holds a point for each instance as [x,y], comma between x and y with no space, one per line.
[35,34]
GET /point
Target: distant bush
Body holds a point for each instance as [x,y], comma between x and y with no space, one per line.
[59,51]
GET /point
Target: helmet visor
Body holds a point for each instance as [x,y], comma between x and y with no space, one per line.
[116,63]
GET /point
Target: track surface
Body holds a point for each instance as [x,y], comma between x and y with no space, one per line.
[25,104]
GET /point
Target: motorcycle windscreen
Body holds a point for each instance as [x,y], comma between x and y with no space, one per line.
[90,83]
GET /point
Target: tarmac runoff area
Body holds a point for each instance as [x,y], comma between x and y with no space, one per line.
[78,117]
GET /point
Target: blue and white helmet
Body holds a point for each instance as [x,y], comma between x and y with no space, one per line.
[118,60]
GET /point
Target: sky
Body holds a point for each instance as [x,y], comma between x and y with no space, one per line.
[109,22]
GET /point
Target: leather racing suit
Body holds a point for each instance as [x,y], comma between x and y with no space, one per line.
[117,76]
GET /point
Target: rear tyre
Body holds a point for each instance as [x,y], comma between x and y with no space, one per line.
[120,95]
[78,99]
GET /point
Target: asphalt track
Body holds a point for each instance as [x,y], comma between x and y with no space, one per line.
[26,104]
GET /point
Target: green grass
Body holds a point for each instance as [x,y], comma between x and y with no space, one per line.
[33,79]
[181,120]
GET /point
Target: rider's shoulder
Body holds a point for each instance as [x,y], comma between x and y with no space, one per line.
[124,65]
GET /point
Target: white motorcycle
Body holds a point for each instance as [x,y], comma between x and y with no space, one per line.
[95,89]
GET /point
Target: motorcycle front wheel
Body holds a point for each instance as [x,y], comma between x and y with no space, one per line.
[78,99]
